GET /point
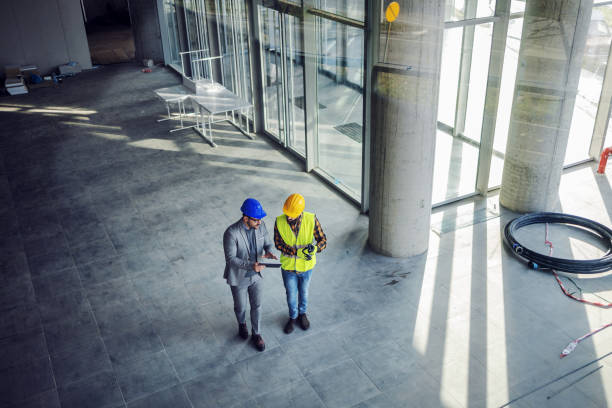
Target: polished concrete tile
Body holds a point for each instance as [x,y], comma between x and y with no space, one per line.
[170,397]
[112,294]
[98,390]
[342,385]
[138,378]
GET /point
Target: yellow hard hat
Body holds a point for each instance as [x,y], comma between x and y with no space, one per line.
[294,205]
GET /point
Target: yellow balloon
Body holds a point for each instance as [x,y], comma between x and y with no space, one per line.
[392,11]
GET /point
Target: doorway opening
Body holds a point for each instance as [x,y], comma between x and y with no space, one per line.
[109,31]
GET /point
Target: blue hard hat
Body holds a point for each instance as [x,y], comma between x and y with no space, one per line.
[252,208]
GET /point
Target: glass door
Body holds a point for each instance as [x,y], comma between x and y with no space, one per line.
[283,78]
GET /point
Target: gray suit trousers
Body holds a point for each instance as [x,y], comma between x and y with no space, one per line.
[240,303]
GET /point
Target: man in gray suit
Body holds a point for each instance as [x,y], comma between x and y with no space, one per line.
[243,243]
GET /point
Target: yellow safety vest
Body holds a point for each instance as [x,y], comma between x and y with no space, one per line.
[304,237]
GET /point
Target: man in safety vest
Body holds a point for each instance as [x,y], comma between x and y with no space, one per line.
[244,242]
[294,232]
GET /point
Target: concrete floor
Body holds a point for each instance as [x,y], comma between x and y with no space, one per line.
[112,292]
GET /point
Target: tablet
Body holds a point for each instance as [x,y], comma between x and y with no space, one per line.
[270,265]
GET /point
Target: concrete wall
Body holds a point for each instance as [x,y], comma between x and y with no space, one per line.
[145,26]
[98,8]
[46,33]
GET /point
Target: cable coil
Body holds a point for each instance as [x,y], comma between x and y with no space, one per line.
[540,261]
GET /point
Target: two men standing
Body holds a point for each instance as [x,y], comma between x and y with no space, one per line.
[245,241]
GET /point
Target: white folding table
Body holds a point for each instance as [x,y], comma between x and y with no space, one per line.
[177,94]
[214,99]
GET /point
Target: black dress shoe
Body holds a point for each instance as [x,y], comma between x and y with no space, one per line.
[258,342]
[289,326]
[243,331]
[304,323]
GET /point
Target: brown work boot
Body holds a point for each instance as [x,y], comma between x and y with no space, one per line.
[258,342]
[289,326]
[243,331]
[304,323]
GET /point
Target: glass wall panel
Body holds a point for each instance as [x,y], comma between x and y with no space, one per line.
[506,95]
[173,32]
[232,30]
[463,82]
[271,69]
[466,9]
[340,102]
[594,62]
[517,6]
[295,84]
[354,9]
[283,78]
[192,36]
[479,70]
[454,167]
[195,17]
[227,46]
[449,75]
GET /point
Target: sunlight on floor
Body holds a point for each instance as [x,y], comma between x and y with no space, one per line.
[110,136]
[422,325]
[67,111]
[157,144]
[91,125]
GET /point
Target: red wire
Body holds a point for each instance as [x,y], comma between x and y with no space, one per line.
[588,302]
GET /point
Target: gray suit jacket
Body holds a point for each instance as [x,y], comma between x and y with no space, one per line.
[236,248]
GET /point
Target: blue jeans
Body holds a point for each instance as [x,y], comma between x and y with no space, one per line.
[296,287]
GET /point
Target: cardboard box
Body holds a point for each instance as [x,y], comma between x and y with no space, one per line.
[12,71]
[44,84]
[14,83]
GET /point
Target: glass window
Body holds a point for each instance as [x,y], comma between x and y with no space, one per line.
[173,38]
[456,156]
[340,102]
[455,167]
[608,139]
[234,47]
[271,61]
[594,62]
[479,72]
[466,9]
[506,95]
[449,75]
[295,84]
[283,71]
[354,9]
[517,6]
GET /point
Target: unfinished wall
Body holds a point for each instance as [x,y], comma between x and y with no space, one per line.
[46,33]
[145,26]
[99,8]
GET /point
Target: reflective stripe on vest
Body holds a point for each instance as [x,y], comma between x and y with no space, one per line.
[304,237]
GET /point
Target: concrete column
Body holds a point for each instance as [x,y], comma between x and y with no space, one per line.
[404,104]
[550,59]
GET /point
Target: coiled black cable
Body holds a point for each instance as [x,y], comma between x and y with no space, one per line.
[540,261]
